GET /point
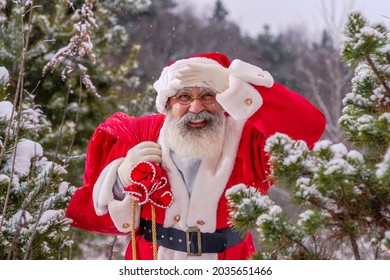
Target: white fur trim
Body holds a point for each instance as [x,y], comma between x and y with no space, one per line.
[120,213]
[102,190]
[211,180]
[178,188]
[104,202]
[167,85]
[208,185]
[240,100]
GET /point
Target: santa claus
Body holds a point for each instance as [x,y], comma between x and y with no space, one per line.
[162,178]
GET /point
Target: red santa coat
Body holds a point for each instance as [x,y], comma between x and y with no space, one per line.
[93,207]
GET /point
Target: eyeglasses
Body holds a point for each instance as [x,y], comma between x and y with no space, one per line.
[184,96]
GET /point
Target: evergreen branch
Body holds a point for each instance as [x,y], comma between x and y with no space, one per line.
[50,175]
[15,240]
[76,122]
[375,70]
[17,100]
[299,243]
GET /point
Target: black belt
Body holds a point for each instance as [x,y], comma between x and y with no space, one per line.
[192,240]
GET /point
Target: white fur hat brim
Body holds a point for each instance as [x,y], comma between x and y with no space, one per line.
[167,85]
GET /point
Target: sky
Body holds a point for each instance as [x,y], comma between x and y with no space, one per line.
[309,15]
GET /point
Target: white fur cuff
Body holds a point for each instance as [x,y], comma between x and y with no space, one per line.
[120,213]
[102,190]
[240,100]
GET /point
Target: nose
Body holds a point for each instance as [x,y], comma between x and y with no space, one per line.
[196,106]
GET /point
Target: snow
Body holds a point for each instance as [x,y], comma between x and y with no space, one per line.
[355,155]
[21,217]
[293,150]
[321,145]
[275,210]
[277,139]
[362,72]
[339,165]
[385,117]
[302,181]
[339,150]
[357,100]
[384,166]
[357,190]
[4,75]
[304,216]
[235,189]
[263,218]
[306,190]
[62,189]
[385,48]
[371,32]
[4,178]
[45,248]
[6,108]
[49,215]
[262,201]
[366,119]
[295,153]
[251,197]
[26,150]
[378,94]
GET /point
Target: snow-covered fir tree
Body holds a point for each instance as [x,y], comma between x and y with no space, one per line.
[55,56]
[345,193]
[70,65]
[33,194]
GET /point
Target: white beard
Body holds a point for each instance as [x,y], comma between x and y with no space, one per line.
[205,142]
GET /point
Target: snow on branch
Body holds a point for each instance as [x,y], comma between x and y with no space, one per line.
[80,45]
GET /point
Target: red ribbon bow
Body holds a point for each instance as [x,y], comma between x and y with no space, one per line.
[150,184]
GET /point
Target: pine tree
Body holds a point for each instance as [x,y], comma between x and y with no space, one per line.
[219,13]
[33,193]
[70,66]
[345,193]
[55,56]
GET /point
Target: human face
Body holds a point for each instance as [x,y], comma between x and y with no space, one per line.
[178,110]
[194,135]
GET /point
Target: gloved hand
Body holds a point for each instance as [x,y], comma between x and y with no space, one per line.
[214,75]
[144,151]
[250,73]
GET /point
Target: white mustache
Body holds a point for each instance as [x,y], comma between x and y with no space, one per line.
[198,117]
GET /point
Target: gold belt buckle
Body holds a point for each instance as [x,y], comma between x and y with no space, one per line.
[188,231]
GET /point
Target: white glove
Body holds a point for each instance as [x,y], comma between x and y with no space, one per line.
[145,151]
[214,75]
[250,73]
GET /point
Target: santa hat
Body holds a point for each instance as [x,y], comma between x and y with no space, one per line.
[167,85]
